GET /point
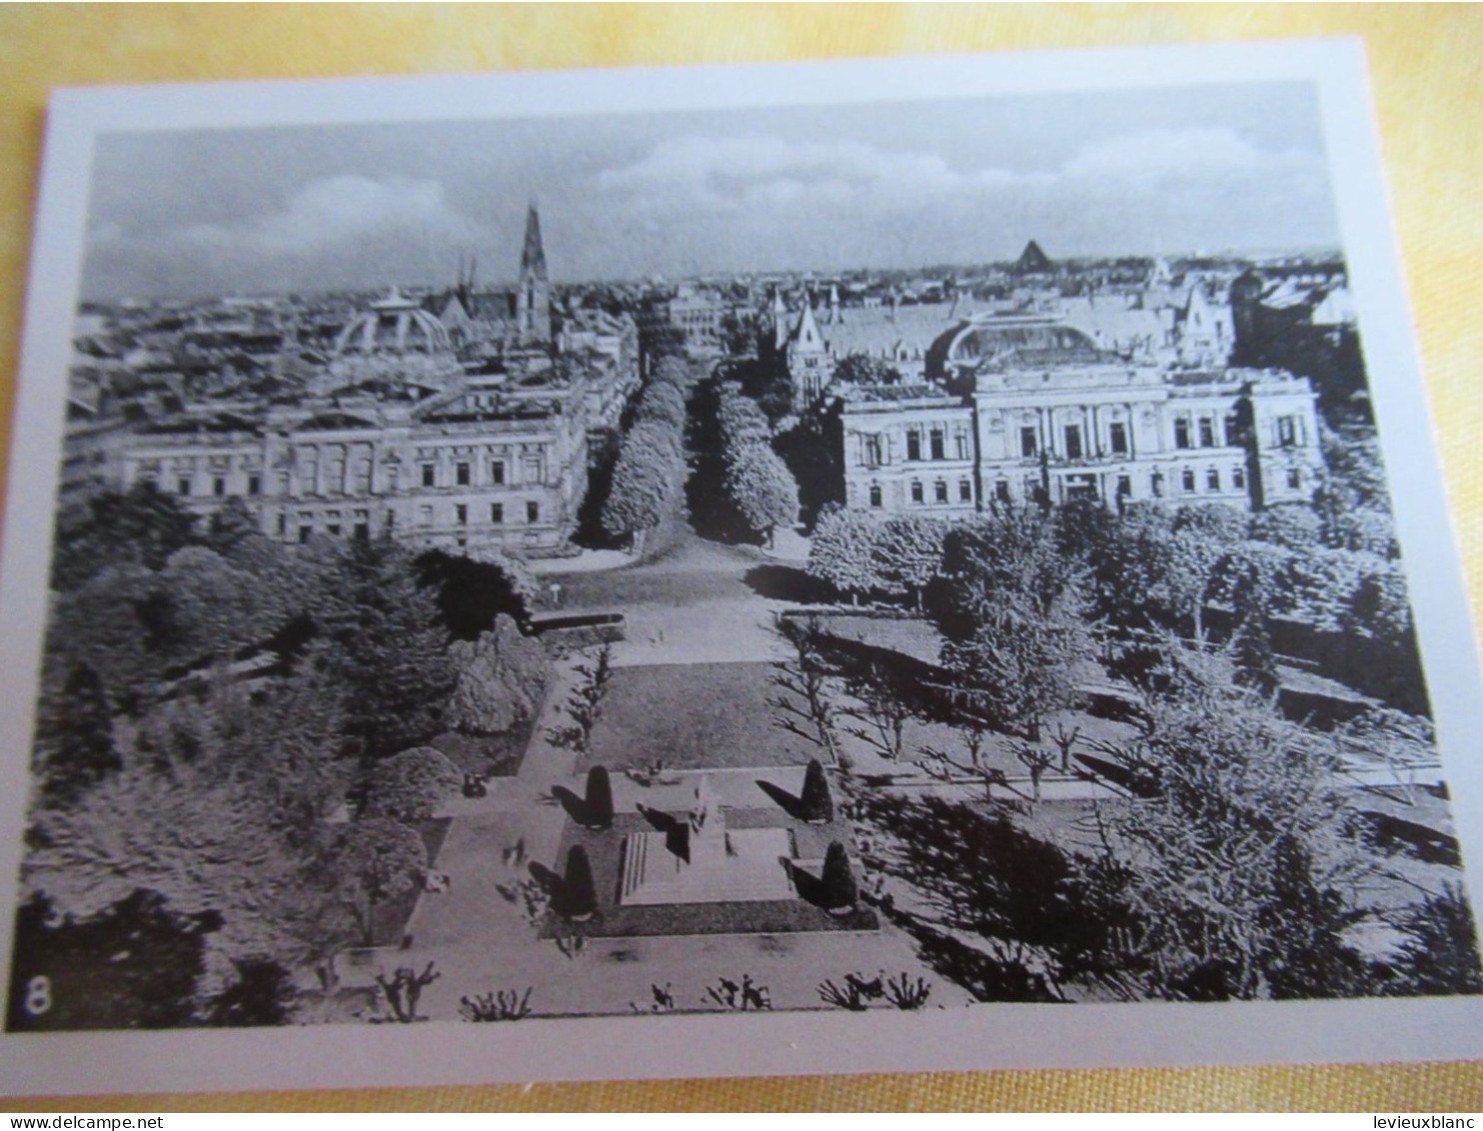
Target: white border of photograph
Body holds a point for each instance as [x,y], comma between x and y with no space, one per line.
[986,1036]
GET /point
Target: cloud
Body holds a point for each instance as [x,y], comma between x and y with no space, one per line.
[730,173]
[333,211]
[329,232]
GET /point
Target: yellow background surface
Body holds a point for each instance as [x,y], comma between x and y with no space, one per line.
[1428,82]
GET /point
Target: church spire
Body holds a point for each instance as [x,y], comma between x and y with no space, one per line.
[533,298]
[533,257]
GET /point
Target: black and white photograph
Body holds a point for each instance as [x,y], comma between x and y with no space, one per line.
[832,551]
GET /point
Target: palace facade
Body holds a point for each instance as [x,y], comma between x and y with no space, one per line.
[396,435]
[1028,409]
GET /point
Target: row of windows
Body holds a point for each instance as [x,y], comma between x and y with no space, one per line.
[463,476]
[940,492]
[936,447]
[360,528]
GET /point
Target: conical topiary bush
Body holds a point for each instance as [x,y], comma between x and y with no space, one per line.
[598,810]
[837,885]
[579,892]
[816,805]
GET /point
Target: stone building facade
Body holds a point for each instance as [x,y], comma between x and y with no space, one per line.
[1029,409]
[395,436]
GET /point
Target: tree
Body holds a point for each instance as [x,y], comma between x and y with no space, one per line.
[863,369]
[598,803]
[141,526]
[382,642]
[1234,868]
[1012,611]
[476,586]
[648,480]
[842,550]
[815,804]
[662,403]
[762,489]
[405,990]
[216,608]
[263,993]
[838,891]
[1440,951]
[411,785]
[906,554]
[501,679]
[578,890]
[74,737]
[740,420]
[376,860]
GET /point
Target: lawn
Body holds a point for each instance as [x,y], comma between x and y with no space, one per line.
[605,851]
[693,716]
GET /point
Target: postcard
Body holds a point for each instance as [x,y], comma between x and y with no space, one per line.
[890,565]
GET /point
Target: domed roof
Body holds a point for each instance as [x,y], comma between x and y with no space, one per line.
[393,325]
[1009,341]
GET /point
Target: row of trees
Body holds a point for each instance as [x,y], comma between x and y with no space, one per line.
[648,484]
[758,485]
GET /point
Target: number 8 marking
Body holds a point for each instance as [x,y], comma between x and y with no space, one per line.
[38,995]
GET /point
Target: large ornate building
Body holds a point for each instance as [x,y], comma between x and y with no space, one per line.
[396,435]
[1029,408]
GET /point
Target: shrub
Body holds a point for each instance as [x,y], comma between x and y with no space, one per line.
[579,892]
[816,805]
[599,807]
[410,785]
[838,881]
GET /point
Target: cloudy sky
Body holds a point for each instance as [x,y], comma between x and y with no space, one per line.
[627,196]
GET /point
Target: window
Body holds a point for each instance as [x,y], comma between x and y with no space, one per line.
[1233,428]
[532,511]
[333,528]
[1029,443]
[1073,441]
[1117,437]
[872,451]
[1188,479]
[461,513]
[497,472]
[1156,484]
[913,444]
[254,484]
[425,516]
[429,475]
[182,486]
[939,491]
[965,491]
[1124,486]
[461,474]
[916,491]
[1212,480]
[304,533]
[218,486]
[282,525]
[961,442]
[497,513]
[1001,491]
[1287,431]
[1181,432]
[362,526]
[937,444]
[1238,478]
[1207,432]
[875,494]
[1294,478]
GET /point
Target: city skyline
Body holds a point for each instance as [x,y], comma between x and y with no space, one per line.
[284,209]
